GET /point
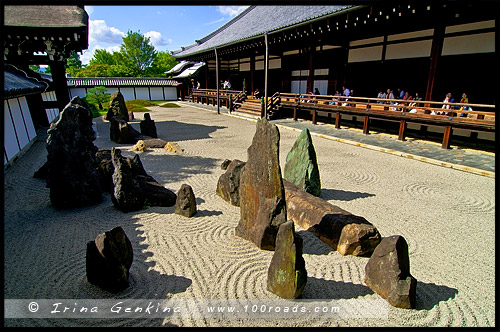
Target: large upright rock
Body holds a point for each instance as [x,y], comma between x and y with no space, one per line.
[262,197]
[120,131]
[287,275]
[106,169]
[134,189]
[108,260]
[347,233]
[228,186]
[117,107]
[388,272]
[148,126]
[72,174]
[301,166]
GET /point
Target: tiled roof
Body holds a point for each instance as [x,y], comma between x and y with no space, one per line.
[256,21]
[45,16]
[16,85]
[121,81]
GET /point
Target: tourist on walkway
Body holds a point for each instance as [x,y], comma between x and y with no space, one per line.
[381,95]
[464,100]
[316,91]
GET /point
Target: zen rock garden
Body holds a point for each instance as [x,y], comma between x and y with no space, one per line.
[77,173]
[267,200]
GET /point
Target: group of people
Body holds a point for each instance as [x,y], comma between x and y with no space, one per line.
[403,97]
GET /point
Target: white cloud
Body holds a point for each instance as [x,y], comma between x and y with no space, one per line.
[231,11]
[157,39]
[100,32]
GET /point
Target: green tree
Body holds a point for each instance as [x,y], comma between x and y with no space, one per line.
[162,62]
[102,57]
[97,95]
[73,64]
[136,53]
[35,68]
[94,71]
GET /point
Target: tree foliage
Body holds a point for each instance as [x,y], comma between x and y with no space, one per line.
[98,95]
[137,57]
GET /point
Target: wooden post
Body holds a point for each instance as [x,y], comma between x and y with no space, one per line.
[402,130]
[310,77]
[295,113]
[217,79]
[266,64]
[314,116]
[366,125]
[60,84]
[447,137]
[436,49]
[337,120]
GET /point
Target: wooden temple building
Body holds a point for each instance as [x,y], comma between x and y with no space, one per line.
[425,47]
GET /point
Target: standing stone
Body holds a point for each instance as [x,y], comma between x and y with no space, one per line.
[287,275]
[301,166]
[388,272]
[185,205]
[72,174]
[262,196]
[134,189]
[108,260]
[148,126]
[106,169]
[120,131]
[117,107]
[228,186]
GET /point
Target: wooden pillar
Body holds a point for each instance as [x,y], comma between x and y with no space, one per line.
[60,85]
[366,125]
[447,137]
[295,113]
[217,79]
[402,130]
[252,72]
[310,77]
[436,49]
[314,113]
[337,120]
[266,68]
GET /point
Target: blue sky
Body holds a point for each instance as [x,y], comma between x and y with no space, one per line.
[169,27]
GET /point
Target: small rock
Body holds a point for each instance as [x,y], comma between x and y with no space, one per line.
[185,205]
[388,272]
[154,143]
[108,260]
[140,146]
[358,239]
[228,186]
[173,147]
[287,275]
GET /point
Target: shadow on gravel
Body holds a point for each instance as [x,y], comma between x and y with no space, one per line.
[430,295]
[343,195]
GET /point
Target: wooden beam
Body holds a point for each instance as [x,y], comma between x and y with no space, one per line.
[60,85]
[217,79]
[436,49]
[266,68]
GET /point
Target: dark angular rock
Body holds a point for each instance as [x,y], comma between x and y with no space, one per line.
[225,164]
[157,143]
[185,205]
[108,260]
[117,107]
[134,189]
[106,169]
[301,166]
[122,132]
[262,197]
[148,126]
[72,174]
[287,275]
[388,272]
[228,186]
[347,233]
